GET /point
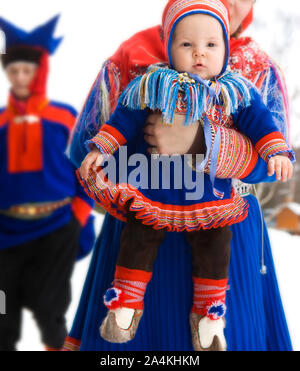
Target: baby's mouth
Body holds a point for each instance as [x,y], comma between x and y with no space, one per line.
[198,65]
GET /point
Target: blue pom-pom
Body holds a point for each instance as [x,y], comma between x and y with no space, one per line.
[110,295]
[219,310]
[216,310]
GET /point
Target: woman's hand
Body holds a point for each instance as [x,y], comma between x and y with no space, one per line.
[282,166]
[92,160]
[175,139]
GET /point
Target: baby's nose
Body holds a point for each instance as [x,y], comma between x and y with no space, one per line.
[199,53]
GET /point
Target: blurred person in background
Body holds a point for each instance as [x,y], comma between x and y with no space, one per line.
[256,319]
[44,212]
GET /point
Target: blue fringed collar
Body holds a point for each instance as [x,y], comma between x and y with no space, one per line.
[158,89]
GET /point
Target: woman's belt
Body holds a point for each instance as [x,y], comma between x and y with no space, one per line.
[32,211]
[243,189]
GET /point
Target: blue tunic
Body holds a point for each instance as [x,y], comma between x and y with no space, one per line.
[174,206]
[56,181]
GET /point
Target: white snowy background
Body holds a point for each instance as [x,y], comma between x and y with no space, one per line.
[92,31]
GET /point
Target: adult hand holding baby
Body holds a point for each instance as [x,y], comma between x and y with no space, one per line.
[170,139]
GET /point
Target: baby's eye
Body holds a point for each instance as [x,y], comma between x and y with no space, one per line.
[211,45]
[186,44]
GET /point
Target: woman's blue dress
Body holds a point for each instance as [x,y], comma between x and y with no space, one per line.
[255,316]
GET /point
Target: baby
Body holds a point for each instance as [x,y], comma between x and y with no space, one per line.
[196,35]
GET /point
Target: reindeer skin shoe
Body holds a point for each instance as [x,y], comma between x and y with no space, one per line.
[120,325]
[207,334]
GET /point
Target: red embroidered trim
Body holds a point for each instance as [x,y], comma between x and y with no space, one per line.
[114,132]
[109,139]
[175,218]
[271,145]
[237,156]
[71,345]
[106,142]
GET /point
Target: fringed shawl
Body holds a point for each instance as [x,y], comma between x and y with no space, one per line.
[159,87]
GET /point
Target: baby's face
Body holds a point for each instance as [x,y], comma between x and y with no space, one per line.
[198,46]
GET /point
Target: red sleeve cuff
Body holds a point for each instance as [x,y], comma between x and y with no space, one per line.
[271,145]
[108,140]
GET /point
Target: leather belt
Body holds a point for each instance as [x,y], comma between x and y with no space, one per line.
[34,211]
